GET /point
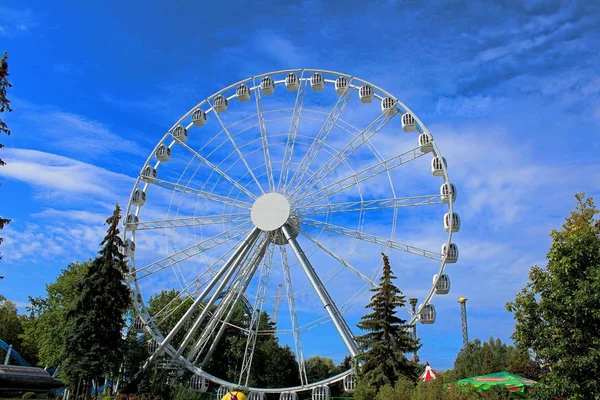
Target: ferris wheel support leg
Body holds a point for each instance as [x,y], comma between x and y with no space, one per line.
[230,302]
[244,247]
[253,268]
[232,264]
[328,304]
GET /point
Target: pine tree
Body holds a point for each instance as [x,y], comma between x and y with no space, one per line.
[4,106]
[389,338]
[95,344]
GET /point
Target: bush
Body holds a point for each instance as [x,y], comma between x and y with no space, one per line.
[185,393]
[29,395]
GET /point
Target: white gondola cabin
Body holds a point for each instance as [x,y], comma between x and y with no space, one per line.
[129,247]
[451,253]
[243,93]
[257,396]
[317,83]
[425,143]
[288,396]
[365,93]
[427,314]
[443,284]
[199,384]
[199,117]
[292,83]
[149,174]
[152,346]
[321,393]
[349,383]
[223,390]
[408,122]
[180,133]
[138,198]
[388,106]
[341,85]
[220,104]
[455,222]
[163,153]
[447,191]
[436,166]
[131,222]
[267,86]
[138,324]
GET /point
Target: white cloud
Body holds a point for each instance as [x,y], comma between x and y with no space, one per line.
[62,176]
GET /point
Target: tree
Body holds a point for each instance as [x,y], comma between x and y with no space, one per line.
[4,106]
[478,358]
[94,344]
[558,314]
[45,329]
[319,368]
[389,337]
[10,323]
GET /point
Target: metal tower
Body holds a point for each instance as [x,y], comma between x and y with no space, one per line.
[276,306]
[413,305]
[463,317]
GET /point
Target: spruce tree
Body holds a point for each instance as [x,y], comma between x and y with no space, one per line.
[95,343]
[389,338]
[4,106]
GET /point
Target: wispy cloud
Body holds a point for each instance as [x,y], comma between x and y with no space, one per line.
[15,22]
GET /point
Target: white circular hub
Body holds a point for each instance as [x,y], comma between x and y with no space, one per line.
[270,212]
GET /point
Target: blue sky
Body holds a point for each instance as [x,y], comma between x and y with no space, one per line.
[509,90]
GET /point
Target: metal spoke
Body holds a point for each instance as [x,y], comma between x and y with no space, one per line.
[203,194]
[190,251]
[226,268]
[375,204]
[321,136]
[293,317]
[237,149]
[361,176]
[294,125]
[328,303]
[340,157]
[193,221]
[254,325]
[340,260]
[218,170]
[263,136]
[373,239]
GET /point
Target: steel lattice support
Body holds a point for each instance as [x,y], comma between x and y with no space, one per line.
[255,320]
[293,317]
[463,318]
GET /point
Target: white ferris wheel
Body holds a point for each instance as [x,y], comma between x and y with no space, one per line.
[296,179]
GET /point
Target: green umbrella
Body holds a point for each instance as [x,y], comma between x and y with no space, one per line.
[516,384]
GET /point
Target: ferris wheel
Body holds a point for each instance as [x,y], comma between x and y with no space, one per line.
[298,178]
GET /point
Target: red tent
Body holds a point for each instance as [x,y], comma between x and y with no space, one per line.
[429,374]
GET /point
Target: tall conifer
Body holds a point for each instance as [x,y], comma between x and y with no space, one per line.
[95,344]
[389,337]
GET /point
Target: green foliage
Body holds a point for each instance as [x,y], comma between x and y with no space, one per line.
[478,358]
[45,329]
[558,314]
[10,324]
[94,343]
[185,393]
[388,338]
[29,395]
[405,389]
[319,368]
[4,106]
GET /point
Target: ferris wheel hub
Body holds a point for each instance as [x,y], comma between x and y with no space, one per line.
[270,212]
